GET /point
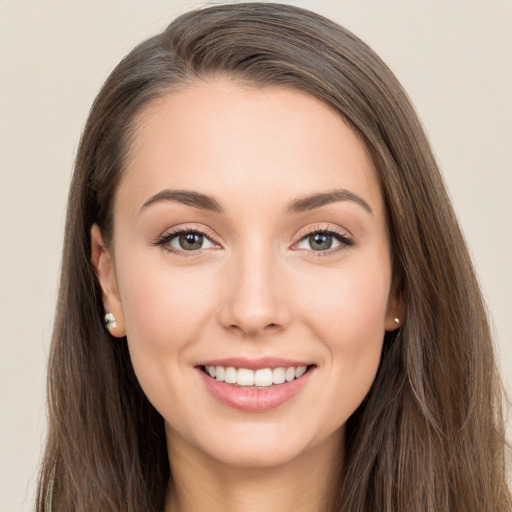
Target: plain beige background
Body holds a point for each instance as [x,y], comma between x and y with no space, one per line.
[453,56]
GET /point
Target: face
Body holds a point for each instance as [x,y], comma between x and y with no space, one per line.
[249,269]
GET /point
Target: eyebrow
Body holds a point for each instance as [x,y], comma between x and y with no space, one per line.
[205,202]
[317,200]
[188,197]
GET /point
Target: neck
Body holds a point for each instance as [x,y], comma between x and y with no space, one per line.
[304,484]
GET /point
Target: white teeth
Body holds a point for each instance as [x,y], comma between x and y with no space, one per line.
[245,377]
[230,375]
[261,378]
[289,374]
[219,372]
[278,375]
[300,371]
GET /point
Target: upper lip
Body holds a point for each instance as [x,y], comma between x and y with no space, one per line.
[256,364]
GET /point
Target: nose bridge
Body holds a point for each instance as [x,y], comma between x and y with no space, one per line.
[254,301]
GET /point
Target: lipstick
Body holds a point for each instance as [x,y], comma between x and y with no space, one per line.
[255,385]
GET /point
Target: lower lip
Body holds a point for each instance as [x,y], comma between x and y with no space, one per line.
[255,400]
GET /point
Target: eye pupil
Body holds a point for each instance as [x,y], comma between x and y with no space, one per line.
[191,241]
[320,241]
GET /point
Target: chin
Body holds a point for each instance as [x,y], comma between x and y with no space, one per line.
[268,446]
[255,457]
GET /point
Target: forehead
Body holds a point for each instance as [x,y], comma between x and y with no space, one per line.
[242,143]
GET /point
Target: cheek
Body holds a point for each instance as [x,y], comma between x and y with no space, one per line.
[164,309]
[349,321]
[156,296]
[350,308]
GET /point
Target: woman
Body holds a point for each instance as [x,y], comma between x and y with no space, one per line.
[257,219]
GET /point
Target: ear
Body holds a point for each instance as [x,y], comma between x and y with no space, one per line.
[396,309]
[103,264]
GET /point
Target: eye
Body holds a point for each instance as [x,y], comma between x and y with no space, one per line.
[324,240]
[185,240]
[319,242]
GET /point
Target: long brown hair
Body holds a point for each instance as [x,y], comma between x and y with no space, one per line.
[429,436]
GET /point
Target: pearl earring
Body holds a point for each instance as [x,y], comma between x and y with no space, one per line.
[396,320]
[110,322]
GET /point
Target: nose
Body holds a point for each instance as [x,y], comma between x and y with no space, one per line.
[254,299]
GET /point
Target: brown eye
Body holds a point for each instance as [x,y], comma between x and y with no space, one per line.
[190,241]
[320,241]
[324,241]
[186,241]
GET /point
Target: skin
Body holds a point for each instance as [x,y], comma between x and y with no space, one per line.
[256,288]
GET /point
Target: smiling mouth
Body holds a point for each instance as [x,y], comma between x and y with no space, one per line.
[262,378]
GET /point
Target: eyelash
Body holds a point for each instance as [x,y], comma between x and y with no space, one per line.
[341,236]
[165,240]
